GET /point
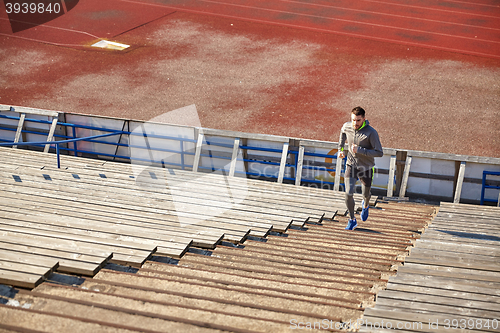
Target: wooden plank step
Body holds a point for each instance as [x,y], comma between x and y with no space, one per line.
[248,182]
[256,228]
[128,169]
[456,284]
[459,296]
[447,304]
[160,237]
[451,272]
[37,269]
[207,201]
[117,247]
[25,254]
[20,279]
[68,253]
[461,238]
[106,235]
[438,259]
[418,321]
[48,190]
[449,252]
[127,179]
[202,188]
[451,247]
[156,221]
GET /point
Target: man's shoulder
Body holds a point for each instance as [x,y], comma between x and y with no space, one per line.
[346,126]
[370,128]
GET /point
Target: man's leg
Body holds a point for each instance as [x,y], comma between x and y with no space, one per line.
[366,185]
[350,183]
[349,195]
[365,190]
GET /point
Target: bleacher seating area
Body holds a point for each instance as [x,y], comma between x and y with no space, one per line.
[280,250]
[103,246]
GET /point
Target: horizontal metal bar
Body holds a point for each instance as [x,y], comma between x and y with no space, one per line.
[233,134]
[57,142]
[23,109]
[102,129]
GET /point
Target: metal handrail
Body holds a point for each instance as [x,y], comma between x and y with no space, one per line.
[112,132]
[57,143]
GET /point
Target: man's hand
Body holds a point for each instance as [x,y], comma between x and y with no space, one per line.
[341,154]
[354,148]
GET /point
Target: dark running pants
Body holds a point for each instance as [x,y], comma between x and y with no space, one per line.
[352,174]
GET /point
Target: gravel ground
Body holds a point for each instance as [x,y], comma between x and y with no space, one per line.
[256,78]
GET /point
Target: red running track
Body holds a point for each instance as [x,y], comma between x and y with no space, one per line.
[87,22]
[457,26]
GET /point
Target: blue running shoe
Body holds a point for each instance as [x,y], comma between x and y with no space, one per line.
[351,224]
[364,211]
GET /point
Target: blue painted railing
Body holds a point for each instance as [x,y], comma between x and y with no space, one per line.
[95,139]
[484,187]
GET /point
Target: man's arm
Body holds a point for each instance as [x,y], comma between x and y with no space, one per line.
[342,139]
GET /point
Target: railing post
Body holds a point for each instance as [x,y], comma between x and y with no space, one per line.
[19,128]
[406,175]
[197,154]
[460,181]
[284,155]
[58,157]
[182,154]
[390,184]
[51,133]
[300,162]
[234,157]
[75,148]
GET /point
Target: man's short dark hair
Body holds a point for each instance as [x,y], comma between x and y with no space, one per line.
[358,111]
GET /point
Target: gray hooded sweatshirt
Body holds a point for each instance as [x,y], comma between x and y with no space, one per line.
[368,142]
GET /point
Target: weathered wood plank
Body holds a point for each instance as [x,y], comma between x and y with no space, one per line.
[19,279]
[446,304]
[392,170]
[89,198]
[151,222]
[234,157]
[417,321]
[438,259]
[37,269]
[300,163]
[460,181]
[284,155]
[50,136]
[206,202]
[19,128]
[396,285]
[462,285]
[406,175]
[192,187]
